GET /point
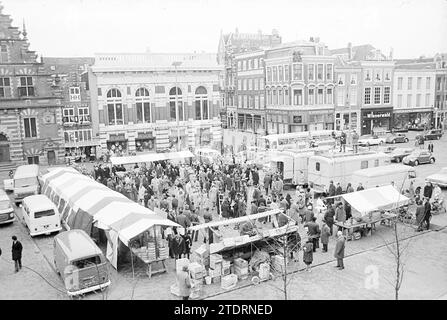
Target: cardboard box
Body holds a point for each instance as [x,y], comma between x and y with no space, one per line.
[202,251]
[239,262]
[215,272]
[216,261]
[216,279]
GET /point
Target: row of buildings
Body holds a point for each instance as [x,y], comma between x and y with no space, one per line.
[271,87]
[51,108]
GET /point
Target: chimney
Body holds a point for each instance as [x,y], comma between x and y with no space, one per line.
[350,51]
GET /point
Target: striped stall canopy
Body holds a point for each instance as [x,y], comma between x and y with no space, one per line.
[83,202]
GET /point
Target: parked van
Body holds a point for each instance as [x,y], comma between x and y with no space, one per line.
[40,215]
[400,174]
[292,166]
[80,262]
[6,209]
[340,167]
[26,182]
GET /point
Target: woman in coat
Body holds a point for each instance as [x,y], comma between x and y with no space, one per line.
[184,283]
[325,233]
[308,253]
[420,214]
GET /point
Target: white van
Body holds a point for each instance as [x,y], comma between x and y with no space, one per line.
[400,174]
[6,209]
[26,182]
[340,167]
[40,215]
[293,166]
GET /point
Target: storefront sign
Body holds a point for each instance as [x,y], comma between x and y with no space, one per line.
[117,137]
[145,135]
[375,115]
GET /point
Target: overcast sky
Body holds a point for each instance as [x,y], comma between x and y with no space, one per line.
[86,27]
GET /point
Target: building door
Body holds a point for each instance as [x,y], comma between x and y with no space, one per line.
[51,157]
[4,149]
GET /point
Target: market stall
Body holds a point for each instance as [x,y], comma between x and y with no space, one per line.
[369,207]
[88,205]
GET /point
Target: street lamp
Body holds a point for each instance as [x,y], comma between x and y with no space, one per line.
[175,64]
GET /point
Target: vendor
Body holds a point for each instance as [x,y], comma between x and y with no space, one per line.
[247,228]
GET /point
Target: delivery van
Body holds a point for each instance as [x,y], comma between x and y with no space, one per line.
[400,174]
[340,167]
[6,209]
[40,215]
[80,263]
[26,182]
[292,166]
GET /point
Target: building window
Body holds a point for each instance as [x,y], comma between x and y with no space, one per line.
[286,73]
[320,97]
[376,162]
[329,72]
[377,95]
[320,72]
[280,74]
[409,101]
[410,83]
[26,88]
[286,96]
[68,115]
[341,80]
[298,97]
[311,96]
[281,97]
[143,105]
[261,83]
[244,65]
[329,96]
[269,74]
[274,97]
[256,63]
[353,80]
[175,94]
[115,107]
[5,88]
[257,102]
[353,97]
[419,83]
[341,97]
[368,76]
[239,85]
[269,97]
[400,80]
[33,160]
[202,106]
[4,53]
[275,74]
[317,166]
[298,71]
[364,164]
[418,100]
[249,84]
[30,127]
[252,63]
[75,94]
[311,72]
[386,94]
[399,101]
[427,99]
[427,83]
[84,114]
[367,96]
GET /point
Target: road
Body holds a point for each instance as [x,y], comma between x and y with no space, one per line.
[38,279]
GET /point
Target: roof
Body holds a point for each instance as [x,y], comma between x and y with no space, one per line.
[69,61]
[27,171]
[38,202]
[3,195]
[384,170]
[343,157]
[359,53]
[77,244]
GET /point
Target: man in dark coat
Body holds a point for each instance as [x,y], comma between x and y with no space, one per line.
[255,177]
[313,231]
[339,252]
[428,190]
[427,212]
[331,192]
[17,253]
[338,190]
[329,217]
[325,233]
[420,213]
[262,202]
[225,208]
[183,220]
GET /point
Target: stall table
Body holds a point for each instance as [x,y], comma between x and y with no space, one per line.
[149,263]
[387,219]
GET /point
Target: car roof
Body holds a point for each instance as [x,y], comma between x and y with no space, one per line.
[3,195]
[38,202]
[77,244]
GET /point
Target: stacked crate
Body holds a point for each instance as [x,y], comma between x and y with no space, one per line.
[241,268]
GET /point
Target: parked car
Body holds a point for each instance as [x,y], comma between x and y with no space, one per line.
[439,178]
[434,134]
[398,154]
[417,127]
[366,141]
[418,157]
[396,138]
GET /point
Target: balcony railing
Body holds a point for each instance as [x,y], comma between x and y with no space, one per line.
[79,120]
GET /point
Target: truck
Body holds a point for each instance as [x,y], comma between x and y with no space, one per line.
[292,166]
[340,167]
[400,174]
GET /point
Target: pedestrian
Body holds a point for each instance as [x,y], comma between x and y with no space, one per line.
[360,187]
[420,213]
[349,188]
[329,217]
[428,190]
[325,233]
[17,253]
[308,254]
[338,190]
[343,142]
[339,253]
[340,213]
[427,212]
[184,283]
[313,231]
[355,141]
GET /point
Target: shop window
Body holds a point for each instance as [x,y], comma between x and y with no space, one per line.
[317,166]
[5,88]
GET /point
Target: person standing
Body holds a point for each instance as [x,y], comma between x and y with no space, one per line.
[331,192]
[427,212]
[313,231]
[428,190]
[339,253]
[184,283]
[420,212]
[17,253]
[355,141]
[349,188]
[325,233]
[360,187]
[343,142]
[338,190]
[308,254]
[340,213]
[329,217]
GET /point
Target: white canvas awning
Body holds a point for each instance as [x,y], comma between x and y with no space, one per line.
[151,157]
[381,198]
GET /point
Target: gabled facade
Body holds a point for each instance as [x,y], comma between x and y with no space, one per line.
[30,109]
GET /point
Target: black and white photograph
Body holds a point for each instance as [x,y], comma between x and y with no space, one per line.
[242,151]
